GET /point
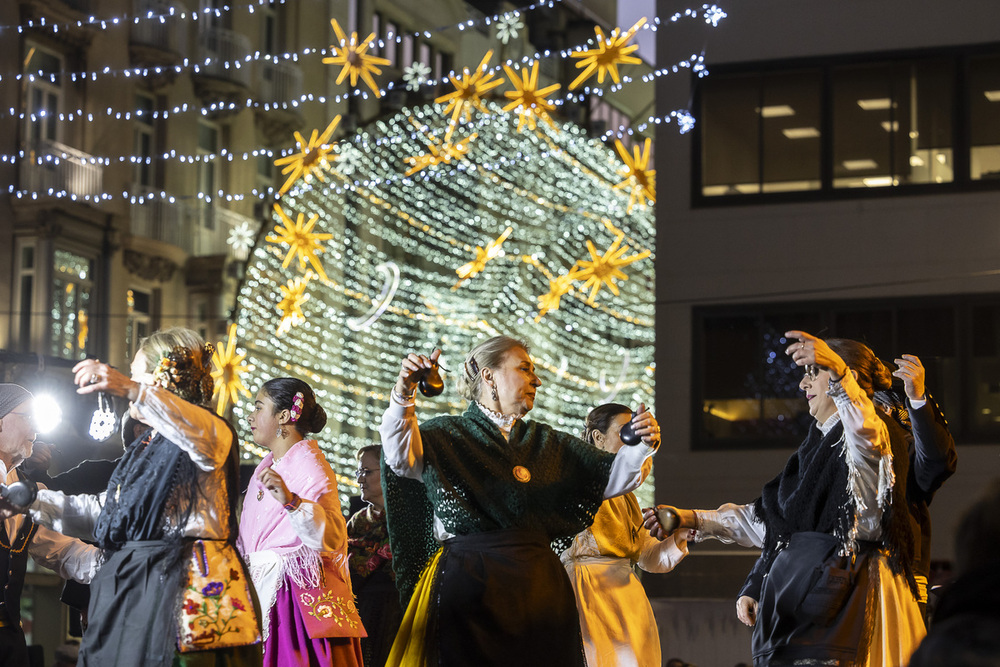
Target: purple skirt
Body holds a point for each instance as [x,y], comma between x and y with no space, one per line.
[289,644]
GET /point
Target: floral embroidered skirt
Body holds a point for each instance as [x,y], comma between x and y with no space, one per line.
[288,644]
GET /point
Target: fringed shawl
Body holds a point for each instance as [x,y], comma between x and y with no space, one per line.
[814,493]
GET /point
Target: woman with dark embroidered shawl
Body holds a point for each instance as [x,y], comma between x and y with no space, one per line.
[834,583]
[474,501]
[370,559]
[173,590]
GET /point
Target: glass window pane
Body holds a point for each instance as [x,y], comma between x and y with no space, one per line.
[985,369]
[922,128]
[730,136]
[790,121]
[984,121]
[863,109]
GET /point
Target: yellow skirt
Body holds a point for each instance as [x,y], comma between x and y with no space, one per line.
[409,647]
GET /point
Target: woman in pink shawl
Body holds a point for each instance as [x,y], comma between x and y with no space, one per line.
[294,537]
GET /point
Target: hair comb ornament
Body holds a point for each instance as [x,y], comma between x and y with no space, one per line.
[297,401]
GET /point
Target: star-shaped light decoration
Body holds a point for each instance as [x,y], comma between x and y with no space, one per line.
[311,158]
[508,26]
[640,180]
[529,102]
[557,288]
[483,255]
[605,269]
[415,75]
[468,93]
[293,295]
[612,51]
[240,239]
[229,369]
[352,55]
[439,153]
[301,240]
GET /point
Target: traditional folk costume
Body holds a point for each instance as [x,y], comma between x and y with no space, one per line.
[173,589]
[19,538]
[298,562]
[617,622]
[834,581]
[374,583]
[477,501]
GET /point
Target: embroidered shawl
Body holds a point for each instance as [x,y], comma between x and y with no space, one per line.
[472,482]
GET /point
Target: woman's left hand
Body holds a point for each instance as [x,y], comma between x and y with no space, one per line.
[808,350]
[645,425]
[274,484]
[93,375]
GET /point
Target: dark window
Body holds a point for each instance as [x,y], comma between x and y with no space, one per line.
[745,389]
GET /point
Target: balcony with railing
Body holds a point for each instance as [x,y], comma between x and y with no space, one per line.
[280,90]
[199,230]
[223,70]
[158,38]
[53,169]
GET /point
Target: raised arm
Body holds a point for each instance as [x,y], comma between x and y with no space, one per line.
[626,470]
[401,444]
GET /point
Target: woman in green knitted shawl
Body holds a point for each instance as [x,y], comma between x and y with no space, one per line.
[473,502]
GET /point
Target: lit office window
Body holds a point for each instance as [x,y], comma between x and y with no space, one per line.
[892,124]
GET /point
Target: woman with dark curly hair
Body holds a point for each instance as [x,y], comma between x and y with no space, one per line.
[294,536]
[172,590]
[834,583]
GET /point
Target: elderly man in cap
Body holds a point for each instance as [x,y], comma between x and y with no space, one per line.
[20,536]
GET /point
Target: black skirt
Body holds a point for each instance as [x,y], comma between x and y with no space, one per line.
[812,607]
[132,617]
[503,598]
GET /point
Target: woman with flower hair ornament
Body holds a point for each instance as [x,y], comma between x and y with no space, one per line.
[172,589]
[294,537]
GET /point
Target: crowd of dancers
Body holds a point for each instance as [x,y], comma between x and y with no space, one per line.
[486,538]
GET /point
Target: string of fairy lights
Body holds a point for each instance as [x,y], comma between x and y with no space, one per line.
[555,196]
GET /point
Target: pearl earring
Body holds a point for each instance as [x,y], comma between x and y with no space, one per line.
[494,390]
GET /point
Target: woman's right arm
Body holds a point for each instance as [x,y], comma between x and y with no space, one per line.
[401,444]
[730,523]
[74,516]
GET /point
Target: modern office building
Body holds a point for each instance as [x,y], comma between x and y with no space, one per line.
[842,179]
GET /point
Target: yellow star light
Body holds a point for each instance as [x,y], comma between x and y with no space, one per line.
[605,269]
[311,158]
[527,99]
[468,93]
[292,297]
[611,52]
[229,368]
[439,153]
[557,288]
[301,240]
[356,62]
[483,255]
[640,180]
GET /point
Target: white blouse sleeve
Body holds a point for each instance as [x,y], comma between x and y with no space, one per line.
[317,529]
[75,515]
[657,556]
[730,523]
[401,444]
[69,558]
[202,435]
[626,470]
